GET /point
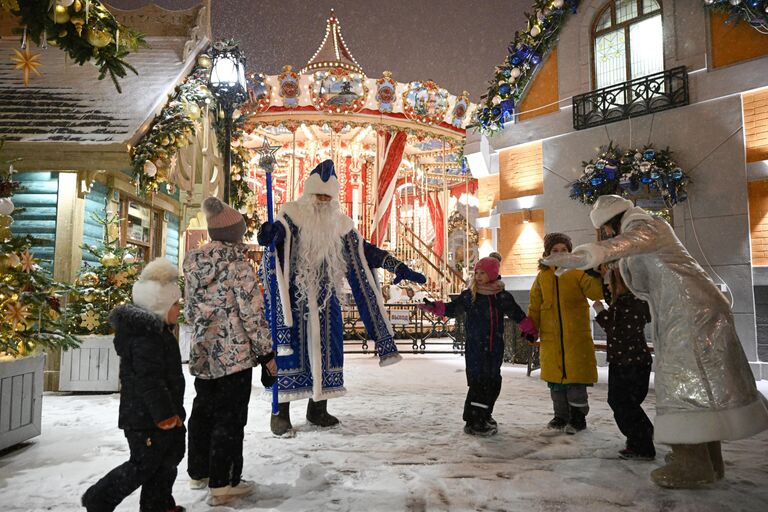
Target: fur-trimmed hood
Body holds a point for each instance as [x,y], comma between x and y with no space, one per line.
[130,318]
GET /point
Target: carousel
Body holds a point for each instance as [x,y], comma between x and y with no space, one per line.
[397,148]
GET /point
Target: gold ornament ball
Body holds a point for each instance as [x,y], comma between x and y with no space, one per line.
[165,141]
[109,260]
[89,298]
[204,61]
[78,22]
[193,111]
[98,38]
[89,279]
[78,5]
[59,14]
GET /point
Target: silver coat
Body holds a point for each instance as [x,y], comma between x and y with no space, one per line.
[702,373]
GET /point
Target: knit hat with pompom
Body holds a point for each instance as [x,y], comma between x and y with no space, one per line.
[225,224]
[158,287]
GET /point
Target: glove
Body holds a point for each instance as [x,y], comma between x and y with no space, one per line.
[169,423]
[565,260]
[528,329]
[436,308]
[267,379]
[268,233]
[403,273]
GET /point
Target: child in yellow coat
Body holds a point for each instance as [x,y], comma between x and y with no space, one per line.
[560,311]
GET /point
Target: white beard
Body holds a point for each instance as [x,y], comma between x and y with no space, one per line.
[320,254]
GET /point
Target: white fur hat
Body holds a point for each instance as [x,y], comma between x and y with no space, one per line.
[323,180]
[607,207]
[158,287]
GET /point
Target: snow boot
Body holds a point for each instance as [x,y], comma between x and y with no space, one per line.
[690,468]
[555,427]
[577,423]
[716,457]
[479,428]
[223,495]
[177,508]
[280,423]
[317,414]
[630,454]
[198,485]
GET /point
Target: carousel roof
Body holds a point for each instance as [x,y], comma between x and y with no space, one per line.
[333,51]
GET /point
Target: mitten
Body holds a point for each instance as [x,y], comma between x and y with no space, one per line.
[528,328]
[436,308]
[402,272]
[169,423]
[268,233]
[267,379]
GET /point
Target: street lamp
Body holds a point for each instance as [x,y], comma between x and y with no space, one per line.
[227,84]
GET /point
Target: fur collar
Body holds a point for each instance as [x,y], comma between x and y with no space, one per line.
[132,318]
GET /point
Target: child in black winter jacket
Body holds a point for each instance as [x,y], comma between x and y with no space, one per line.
[629,365]
[151,395]
[485,303]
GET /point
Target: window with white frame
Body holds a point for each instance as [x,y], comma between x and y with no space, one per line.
[628,41]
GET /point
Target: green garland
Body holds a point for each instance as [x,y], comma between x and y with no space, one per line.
[152,158]
[85,30]
[526,53]
[754,12]
[626,172]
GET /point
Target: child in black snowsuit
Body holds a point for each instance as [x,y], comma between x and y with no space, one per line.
[485,303]
[151,395]
[629,366]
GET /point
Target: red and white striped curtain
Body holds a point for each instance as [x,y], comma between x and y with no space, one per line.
[391,155]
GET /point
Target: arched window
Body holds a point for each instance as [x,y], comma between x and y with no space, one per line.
[627,42]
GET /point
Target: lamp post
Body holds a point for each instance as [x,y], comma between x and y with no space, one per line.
[227,84]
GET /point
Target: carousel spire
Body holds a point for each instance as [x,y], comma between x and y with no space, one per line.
[333,51]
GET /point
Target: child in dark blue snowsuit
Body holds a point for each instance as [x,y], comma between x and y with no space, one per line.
[485,303]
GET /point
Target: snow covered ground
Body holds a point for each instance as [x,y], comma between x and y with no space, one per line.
[400,447]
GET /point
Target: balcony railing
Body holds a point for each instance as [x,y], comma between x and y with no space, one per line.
[635,98]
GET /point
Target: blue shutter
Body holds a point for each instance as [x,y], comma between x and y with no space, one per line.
[39,197]
[93,232]
[172,239]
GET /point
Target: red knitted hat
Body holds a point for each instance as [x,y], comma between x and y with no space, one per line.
[490,266]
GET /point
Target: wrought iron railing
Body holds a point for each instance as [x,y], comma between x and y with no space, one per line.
[652,93]
[427,333]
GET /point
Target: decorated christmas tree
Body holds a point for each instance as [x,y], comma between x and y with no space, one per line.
[30,300]
[99,288]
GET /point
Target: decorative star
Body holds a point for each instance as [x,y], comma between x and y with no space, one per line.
[27,62]
[27,262]
[267,155]
[119,279]
[16,313]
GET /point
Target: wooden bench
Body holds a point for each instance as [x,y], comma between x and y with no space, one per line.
[533,357]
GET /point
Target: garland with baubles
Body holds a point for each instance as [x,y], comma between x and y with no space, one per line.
[154,157]
[85,29]
[526,53]
[30,304]
[754,12]
[626,173]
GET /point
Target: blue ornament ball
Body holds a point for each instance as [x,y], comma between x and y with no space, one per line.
[600,166]
[495,111]
[676,174]
[507,73]
[597,181]
[505,89]
[588,193]
[646,179]
[655,175]
[649,154]
[535,59]
[515,60]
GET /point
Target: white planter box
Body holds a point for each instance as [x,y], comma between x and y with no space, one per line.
[95,366]
[185,341]
[21,399]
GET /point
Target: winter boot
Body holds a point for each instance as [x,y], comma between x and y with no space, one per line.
[280,423]
[577,423]
[555,427]
[479,428]
[222,495]
[198,485]
[690,468]
[317,414]
[716,457]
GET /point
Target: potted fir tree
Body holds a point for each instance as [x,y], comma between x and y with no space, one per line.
[30,322]
[98,289]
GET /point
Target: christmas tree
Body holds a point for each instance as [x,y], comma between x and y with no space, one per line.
[30,303]
[99,288]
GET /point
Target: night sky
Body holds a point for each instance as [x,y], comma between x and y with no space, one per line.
[456,43]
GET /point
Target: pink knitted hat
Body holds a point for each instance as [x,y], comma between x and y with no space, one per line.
[224,222]
[490,266]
